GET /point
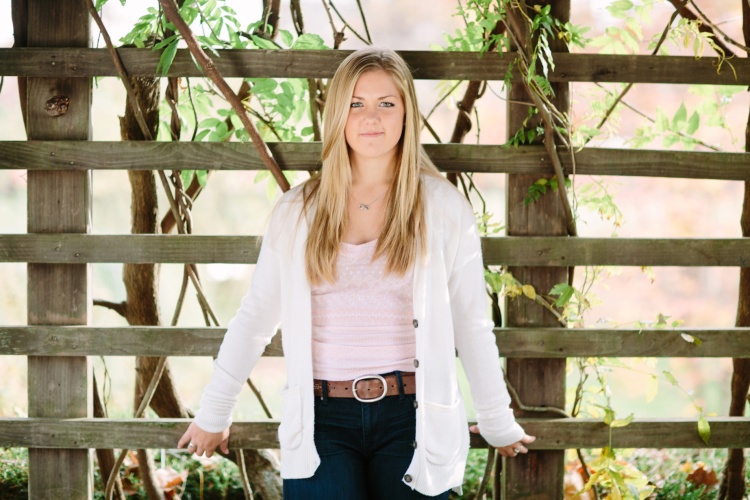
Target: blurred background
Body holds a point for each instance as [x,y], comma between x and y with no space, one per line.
[234,204]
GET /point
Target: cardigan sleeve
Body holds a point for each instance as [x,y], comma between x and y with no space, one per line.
[248,333]
[475,340]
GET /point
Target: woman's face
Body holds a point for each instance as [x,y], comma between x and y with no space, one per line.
[376,119]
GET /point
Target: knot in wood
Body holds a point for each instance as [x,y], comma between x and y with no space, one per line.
[57,105]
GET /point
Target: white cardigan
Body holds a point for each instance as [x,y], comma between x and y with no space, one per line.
[450,314]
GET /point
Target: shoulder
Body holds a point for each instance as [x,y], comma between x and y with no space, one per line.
[286,214]
[443,199]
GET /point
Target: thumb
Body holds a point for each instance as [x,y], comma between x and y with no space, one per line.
[225,445]
[528,439]
[474,429]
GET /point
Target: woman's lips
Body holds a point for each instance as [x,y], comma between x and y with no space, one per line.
[371,134]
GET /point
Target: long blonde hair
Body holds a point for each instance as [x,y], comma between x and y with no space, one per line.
[403,230]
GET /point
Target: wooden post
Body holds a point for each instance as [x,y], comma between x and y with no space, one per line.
[58,202]
[538,475]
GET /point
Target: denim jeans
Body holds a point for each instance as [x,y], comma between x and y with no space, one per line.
[364,448]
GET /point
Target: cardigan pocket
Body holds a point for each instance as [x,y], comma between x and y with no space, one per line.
[445,426]
[290,429]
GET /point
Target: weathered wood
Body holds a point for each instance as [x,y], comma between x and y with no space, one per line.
[59,201]
[537,381]
[563,251]
[512,342]
[543,251]
[552,434]
[134,155]
[426,65]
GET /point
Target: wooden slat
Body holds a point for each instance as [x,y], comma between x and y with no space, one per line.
[58,202]
[563,251]
[552,434]
[548,251]
[147,155]
[426,65]
[512,342]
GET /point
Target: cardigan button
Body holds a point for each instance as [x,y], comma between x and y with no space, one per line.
[407,478]
[414,444]
[415,323]
[416,363]
[416,404]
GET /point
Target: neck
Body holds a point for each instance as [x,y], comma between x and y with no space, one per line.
[372,173]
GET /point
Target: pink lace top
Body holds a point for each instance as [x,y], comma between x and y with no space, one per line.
[362,323]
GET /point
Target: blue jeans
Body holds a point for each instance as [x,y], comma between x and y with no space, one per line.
[364,448]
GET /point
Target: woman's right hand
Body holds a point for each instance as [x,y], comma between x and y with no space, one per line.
[199,441]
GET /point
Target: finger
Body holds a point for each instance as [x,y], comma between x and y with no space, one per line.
[225,446]
[474,429]
[184,440]
[528,439]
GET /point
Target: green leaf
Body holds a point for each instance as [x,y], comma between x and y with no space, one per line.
[670,140]
[262,43]
[164,42]
[309,41]
[609,416]
[264,86]
[166,58]
[693,123]
[622,422]
[679,119]
[286,37]
[704,429]
[662,122]
[668,375]
[202,176]
[559,289]
[565,297]
[186,176]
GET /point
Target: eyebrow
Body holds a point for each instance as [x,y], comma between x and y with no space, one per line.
[379,98]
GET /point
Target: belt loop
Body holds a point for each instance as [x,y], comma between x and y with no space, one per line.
[400,384]
[324,397]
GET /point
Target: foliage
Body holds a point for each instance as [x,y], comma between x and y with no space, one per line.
[473,475]
[14,473]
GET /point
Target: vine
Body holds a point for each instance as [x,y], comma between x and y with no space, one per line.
[287,110]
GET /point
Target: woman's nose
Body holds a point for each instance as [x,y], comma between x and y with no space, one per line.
[372,115]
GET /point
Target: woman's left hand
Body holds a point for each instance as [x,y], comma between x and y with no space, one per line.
[512,449]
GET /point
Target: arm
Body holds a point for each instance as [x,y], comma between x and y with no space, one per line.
[248,333]
[475,342]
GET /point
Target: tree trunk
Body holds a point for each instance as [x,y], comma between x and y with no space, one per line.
[733,480]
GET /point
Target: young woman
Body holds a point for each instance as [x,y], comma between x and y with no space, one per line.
[373,268]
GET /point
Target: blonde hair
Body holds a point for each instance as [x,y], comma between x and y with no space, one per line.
[403,230]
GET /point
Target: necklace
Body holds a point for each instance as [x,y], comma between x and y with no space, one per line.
[366,206]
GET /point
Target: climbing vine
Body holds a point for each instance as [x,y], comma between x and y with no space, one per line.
[289,110]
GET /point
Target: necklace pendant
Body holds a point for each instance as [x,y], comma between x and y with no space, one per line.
[362,206]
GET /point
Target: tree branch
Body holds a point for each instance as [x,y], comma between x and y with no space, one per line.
[209,68]
[118,307]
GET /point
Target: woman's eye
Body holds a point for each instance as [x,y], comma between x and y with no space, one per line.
[387,104]
[356,105]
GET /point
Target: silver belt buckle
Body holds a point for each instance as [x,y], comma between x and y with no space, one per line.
[368,377]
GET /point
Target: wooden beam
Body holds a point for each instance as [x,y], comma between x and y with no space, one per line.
[542,251]
[426,65]
[146,155]
[563,251]
[512,342]
[552,434]
[58,109]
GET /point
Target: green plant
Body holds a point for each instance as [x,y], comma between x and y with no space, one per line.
[14,473]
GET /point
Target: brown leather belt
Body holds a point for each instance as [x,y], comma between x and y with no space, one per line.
[368,388]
